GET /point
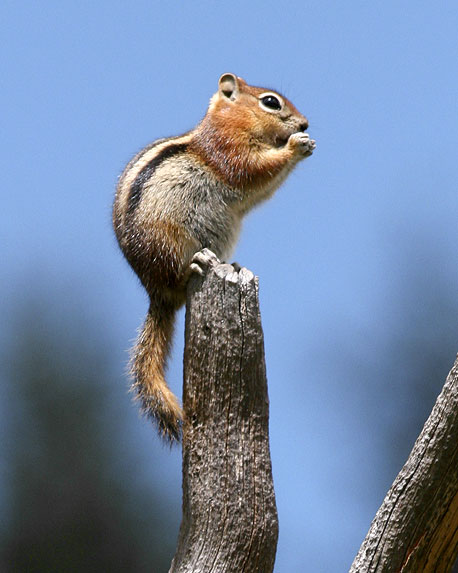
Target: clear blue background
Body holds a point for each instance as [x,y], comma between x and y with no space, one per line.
[356,252]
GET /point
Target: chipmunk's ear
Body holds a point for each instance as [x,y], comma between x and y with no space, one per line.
[228,86]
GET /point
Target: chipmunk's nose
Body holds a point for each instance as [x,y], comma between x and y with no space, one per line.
[303,125]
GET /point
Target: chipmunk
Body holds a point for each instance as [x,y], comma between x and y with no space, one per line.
[182,194]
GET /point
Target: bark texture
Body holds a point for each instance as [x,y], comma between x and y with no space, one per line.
[229,514]
[416,528]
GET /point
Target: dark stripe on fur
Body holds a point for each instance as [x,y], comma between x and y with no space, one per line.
[136,188]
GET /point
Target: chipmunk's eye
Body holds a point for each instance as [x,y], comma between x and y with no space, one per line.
[271,102]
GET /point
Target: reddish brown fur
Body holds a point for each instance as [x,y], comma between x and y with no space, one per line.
[148,362]
[235,138]
[157,254]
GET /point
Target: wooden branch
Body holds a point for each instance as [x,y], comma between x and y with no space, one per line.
[229,514]
[416,527]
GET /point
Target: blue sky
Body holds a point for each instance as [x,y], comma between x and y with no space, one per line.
[373,211]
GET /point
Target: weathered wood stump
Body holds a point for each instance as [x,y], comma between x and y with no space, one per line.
[229,518]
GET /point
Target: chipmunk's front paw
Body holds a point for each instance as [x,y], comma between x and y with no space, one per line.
[302,144]
[203,260]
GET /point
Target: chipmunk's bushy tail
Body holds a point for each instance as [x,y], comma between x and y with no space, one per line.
[148,362]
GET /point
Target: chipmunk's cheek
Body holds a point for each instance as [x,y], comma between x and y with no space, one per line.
[281,139]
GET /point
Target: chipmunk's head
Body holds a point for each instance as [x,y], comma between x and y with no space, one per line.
[263,115]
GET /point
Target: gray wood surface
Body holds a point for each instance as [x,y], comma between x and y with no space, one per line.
[229,518]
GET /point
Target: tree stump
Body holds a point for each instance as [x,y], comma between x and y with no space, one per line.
[229,518]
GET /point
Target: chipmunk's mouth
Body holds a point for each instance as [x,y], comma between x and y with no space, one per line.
[281,140]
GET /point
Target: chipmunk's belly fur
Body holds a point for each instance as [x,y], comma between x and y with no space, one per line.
[181,204]
[189,197]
